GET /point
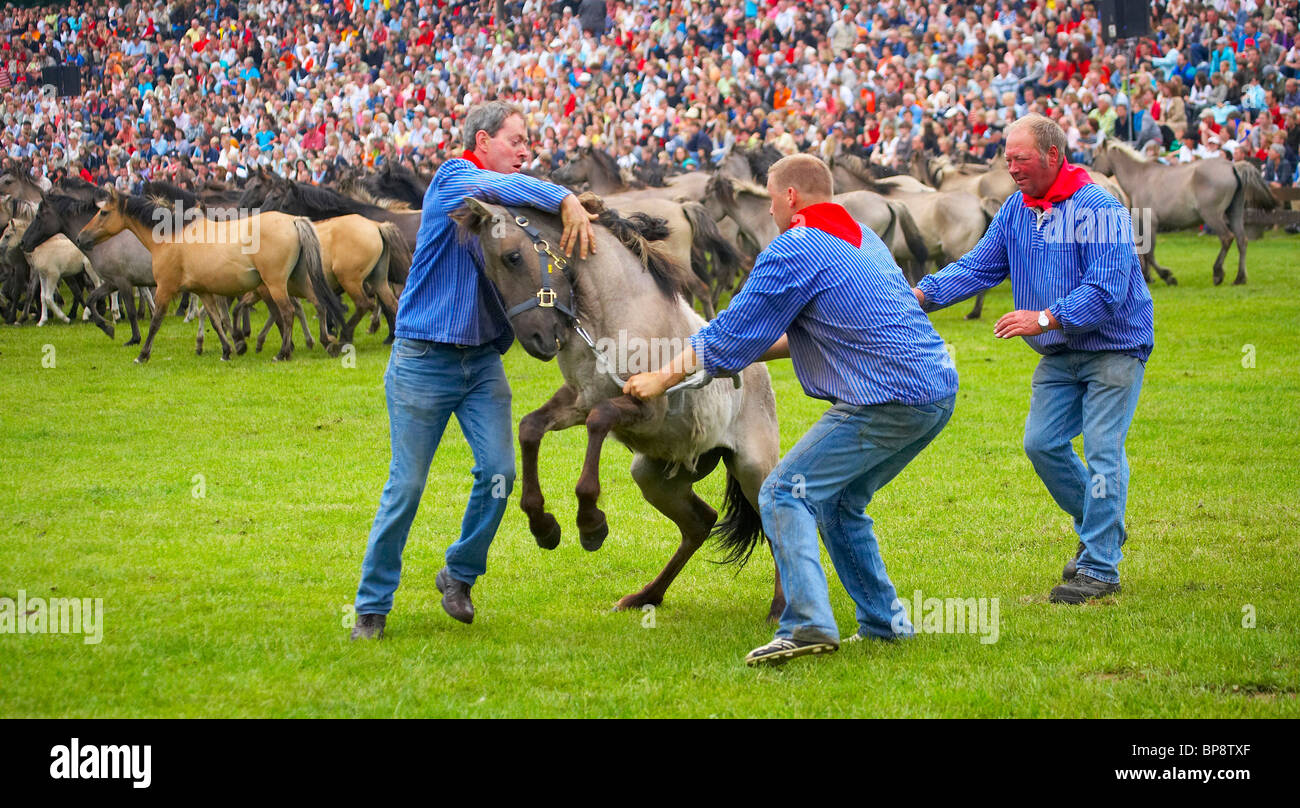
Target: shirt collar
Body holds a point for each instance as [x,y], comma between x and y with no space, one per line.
[830,218]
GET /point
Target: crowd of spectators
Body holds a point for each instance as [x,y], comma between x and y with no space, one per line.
[208,90]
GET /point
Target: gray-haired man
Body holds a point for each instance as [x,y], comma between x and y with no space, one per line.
[451,332]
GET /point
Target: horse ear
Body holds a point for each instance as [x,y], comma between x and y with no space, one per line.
[473,216]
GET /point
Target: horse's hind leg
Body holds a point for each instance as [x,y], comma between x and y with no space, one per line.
[302,318]
[1239,233]
[558,413]
[974,314]
[214,308]
[750,465]
[603,418]
[674,498]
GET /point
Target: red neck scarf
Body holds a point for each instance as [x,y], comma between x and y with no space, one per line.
[1068,180]
[831,218]
[473,158]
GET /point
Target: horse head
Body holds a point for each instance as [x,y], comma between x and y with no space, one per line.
[109,220]
[514,264]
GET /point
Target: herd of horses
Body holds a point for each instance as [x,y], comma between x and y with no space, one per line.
[662,249]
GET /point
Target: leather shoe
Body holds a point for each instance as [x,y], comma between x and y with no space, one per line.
[369,627]
[455,596]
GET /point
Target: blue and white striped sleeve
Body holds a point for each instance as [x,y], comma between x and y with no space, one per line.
[773,295]
[984,267]
[457,179]
[1107,267]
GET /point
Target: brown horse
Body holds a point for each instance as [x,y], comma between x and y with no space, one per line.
[273,253]
[356,254]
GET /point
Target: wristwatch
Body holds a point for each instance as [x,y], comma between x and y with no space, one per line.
[1043,322]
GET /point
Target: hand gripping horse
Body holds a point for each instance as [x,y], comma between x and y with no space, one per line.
[627,293]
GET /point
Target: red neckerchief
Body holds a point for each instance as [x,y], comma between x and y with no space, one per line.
[469,155]
[1068,180]
[831,218]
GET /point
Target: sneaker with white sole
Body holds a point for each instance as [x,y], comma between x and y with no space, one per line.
[784,649]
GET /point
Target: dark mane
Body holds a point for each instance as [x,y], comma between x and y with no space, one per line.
[760,160]
[321,203]
[160,189]
[70,206]
[142,209]
[638,232]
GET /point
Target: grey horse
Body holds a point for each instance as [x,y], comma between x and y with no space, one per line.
[627,295]
[1210,192]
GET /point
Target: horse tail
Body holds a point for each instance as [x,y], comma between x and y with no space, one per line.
[708,244]
[395,257]
[741,528]
[309,261]
[1251,182]
[912,235]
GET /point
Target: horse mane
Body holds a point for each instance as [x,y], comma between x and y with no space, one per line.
[725,188]
[75,183]
[324,203]
[142,209]
[606,162]
[69,206]
[760,160]
[359,192]
[1125,149]
[169,194]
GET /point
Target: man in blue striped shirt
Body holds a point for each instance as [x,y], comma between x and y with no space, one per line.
[446,359]
[1080,301]
[827,294]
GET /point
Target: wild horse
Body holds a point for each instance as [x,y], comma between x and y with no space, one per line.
[627,294]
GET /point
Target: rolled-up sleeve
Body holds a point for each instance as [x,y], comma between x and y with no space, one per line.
[984,267]
[773,295]
[458,179]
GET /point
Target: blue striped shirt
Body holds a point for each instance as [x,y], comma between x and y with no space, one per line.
[1078,263]
[447,297]
[856,332]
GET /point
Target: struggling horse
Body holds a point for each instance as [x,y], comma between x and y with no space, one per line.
[625,292]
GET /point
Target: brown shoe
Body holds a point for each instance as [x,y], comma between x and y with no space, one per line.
[455,596]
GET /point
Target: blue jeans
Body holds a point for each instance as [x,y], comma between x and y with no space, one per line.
[425,383]
[825,482]
[1093,393]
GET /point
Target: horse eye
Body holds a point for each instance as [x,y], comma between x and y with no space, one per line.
[514,258]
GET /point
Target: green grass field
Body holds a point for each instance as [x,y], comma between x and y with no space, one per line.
[232,603]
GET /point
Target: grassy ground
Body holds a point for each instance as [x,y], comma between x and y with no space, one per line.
[232,603]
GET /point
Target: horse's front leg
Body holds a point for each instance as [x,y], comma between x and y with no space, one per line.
[560,412]
[603,418]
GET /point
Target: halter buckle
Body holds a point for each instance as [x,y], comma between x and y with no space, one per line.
[546,298]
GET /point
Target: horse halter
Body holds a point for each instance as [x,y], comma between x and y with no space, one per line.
[546,297]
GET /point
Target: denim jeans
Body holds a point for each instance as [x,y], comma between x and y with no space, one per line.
[426,382]
[1093,393]
[825,482]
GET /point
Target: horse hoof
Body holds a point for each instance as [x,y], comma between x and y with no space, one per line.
[140,360]
[334,349]
[1239,282]
[1218,279]
[636,601]
[241,348]
[198,352]
[548,536]
[1171,281]
[972,316]
[774,614]
[592,540]
[131,341]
